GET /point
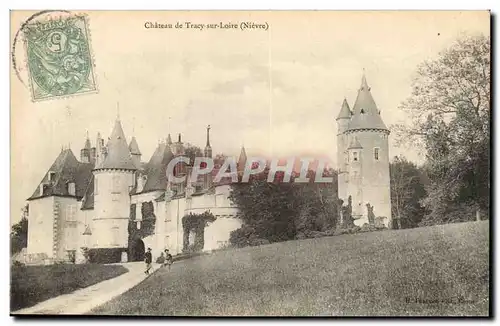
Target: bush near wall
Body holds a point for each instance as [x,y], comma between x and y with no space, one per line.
[105,255]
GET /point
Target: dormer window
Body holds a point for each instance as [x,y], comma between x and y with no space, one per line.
[71,188]
[52,176]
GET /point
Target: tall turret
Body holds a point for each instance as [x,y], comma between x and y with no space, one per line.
[135,152]
[343,119]
[365,141]
[113,179]
[207,178]
[180,168]
[242,160]
[99,150]
[86,151]
[208,148]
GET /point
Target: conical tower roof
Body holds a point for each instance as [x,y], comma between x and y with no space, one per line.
[87,143]
[242,159]
[118,156]
[134,147]
[366,115]
[345,111]
[156,168]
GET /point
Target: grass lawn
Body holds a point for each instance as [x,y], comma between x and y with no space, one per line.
[438,271]
[33,284]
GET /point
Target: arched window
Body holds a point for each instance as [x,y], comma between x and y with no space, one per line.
[376,153]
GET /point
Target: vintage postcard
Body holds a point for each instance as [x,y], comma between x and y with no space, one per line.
[250,163]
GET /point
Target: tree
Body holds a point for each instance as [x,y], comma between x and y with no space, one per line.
[449,110]
[19,232]
[193,152]
[407,190]
[277,211]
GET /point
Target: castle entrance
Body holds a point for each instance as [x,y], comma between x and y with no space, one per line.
[137,250]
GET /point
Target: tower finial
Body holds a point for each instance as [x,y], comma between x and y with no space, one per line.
[117,110]
[208,136]
[364,83]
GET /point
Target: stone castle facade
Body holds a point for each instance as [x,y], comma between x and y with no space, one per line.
[116,205]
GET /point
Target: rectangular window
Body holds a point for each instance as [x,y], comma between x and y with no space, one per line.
[115,187]
[52,176]
[355,156]
[71,189]
[376,153]
[70,238]
[71,213]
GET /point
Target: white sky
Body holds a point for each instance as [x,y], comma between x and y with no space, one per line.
[276,91]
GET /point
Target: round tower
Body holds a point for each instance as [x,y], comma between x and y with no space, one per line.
[342,123]
[368,129]
[113,179]
[354,178]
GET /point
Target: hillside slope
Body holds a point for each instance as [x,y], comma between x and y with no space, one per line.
[440,270]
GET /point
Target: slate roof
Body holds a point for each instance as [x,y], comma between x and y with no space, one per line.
[345,111]
[242,160]
[66,169]
[366,115]
[118,155]
[133,147]
[156,168]
[88,198]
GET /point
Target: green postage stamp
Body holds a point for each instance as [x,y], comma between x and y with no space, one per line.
[59,59]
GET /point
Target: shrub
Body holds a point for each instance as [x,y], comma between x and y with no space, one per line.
[105,255]
[258,242]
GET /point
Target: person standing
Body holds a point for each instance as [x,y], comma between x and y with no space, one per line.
[148,259]
[168,259]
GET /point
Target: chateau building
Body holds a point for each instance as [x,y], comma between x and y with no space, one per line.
[363,159]
[116,205]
